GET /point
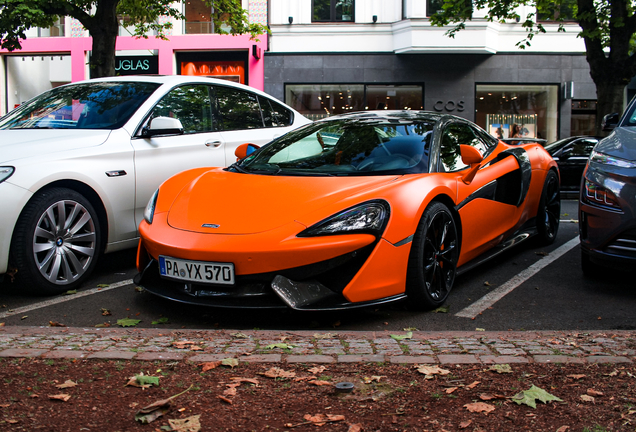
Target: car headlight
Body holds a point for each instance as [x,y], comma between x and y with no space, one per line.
[6,172]
[599,195]
[370,217]
[149,213]
[603,158]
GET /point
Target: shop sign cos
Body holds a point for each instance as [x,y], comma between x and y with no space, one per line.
[136,65]
[449,106]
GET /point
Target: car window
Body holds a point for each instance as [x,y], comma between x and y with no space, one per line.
[452,137]
[579,149]
[104,105]
[274,114]
[238,109]
[190,104]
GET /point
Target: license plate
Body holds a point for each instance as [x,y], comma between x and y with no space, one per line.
[197,271]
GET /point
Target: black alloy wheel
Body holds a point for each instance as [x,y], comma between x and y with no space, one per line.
[433,259]
[549,212]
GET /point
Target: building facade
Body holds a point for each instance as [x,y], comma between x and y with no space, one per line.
[60,54]
[325,57]
[331,56]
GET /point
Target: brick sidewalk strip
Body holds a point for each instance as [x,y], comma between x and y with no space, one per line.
[277,346]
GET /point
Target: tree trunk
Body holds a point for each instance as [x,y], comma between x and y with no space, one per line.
[609,99]
[103,28]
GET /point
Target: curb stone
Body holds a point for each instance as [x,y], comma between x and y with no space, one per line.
[319,346]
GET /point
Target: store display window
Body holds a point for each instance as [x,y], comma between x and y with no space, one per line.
[316,101]
[517,110]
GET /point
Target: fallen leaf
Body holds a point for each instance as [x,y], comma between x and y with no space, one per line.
[592,392]
[317,369]
[480,329]
[586,398]
[245,380]
[106,312]
[325,335]
[376,378]
[320,383]
[279,345]
[442,309]
[128,322]
[143,381]
[479,407]
[431,371]
[321,419]
[240,335]
[534,393]
[576,376]
[62,397]
[563,429]
[409,335]
[226,400]
[500,368]
[156,409]
[182,344]
[102,285]
[209,365]
[355,428]
[231,362]
[450,390]
[278,373]
[66,384]
[55,324]
[162,320]
[71,292]
[473,385]
[189,424]
[464,425]
[487,283]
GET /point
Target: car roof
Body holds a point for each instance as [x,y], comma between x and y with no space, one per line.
[395,116]
[171,80]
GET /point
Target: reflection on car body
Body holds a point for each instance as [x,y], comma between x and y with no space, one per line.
[349,211]
[607,200]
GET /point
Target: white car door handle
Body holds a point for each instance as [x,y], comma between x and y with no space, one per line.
[213,144]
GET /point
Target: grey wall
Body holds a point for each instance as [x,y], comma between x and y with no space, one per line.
[445,77]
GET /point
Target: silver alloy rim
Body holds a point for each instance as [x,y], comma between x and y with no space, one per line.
[64,242]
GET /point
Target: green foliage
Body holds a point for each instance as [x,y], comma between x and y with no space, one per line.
[128,322]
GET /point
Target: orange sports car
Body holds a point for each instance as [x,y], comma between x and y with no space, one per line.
[349,211]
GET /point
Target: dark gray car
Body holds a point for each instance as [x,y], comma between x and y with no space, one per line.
[607,205]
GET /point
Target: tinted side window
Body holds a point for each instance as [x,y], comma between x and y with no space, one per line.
[274,114]
[453,136]
[238,109]
[189,104]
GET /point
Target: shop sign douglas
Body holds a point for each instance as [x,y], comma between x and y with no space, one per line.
[136,65]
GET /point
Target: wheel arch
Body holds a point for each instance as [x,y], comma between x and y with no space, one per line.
[90,194]
[448,202]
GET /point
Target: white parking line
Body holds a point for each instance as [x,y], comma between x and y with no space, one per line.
[494,296]
[63,299]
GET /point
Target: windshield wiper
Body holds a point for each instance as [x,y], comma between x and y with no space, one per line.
[238,168]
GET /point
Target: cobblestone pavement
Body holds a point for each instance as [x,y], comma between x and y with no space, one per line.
[319,346]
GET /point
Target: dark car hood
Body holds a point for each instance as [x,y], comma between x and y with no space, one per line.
[621,144]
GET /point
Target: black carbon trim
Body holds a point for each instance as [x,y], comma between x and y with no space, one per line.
[511,188]
[409,239]
[487,191]
[523,159]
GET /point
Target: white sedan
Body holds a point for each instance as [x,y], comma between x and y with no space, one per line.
[79,163]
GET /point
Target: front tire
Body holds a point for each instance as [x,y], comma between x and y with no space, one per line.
[433,260]
[56,242]
[549,212]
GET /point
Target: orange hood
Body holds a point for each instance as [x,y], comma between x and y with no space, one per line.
[250,203]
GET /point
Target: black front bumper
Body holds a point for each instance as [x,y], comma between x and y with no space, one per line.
[273,292]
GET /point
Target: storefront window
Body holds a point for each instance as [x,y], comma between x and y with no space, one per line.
[530,109]
[225,65]
[332,10]
[316,101]
[583,117]
[433,7]
[56,30]
[198,17]
[560,10]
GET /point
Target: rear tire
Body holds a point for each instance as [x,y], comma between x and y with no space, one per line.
[56,242]
[549,212]
[433,260]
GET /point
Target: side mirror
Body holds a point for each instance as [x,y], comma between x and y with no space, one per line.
[470,156]
[245,150]
[163,126]
[610,121]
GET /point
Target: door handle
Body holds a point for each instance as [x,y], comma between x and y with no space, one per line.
[214,144]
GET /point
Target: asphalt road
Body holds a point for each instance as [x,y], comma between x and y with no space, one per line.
[543,289]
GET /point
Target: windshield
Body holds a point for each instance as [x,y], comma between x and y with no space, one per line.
[346,147]
[103,105]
